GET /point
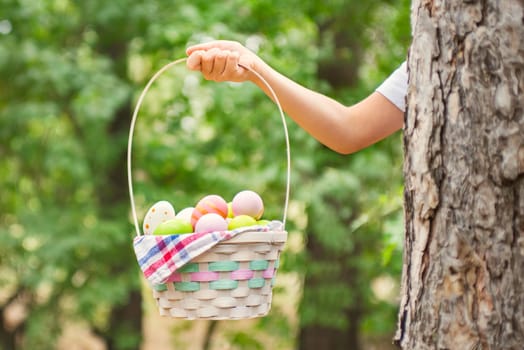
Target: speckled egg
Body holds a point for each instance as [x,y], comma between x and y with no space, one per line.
[160,212]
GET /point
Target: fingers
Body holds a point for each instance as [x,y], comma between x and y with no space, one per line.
[220,62]
[194,60]
[209,60]
[216,64]
[231,65]
[219,44]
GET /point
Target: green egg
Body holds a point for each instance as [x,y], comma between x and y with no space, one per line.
[263,222]
[173,226]
[241,221]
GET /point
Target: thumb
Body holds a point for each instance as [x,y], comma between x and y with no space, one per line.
[194,61]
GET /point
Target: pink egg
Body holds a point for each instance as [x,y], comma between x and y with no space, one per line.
[247,203]
[210,222]
[209,204]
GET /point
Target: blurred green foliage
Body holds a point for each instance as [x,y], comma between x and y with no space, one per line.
[71,72]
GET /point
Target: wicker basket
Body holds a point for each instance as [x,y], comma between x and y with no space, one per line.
[234,278]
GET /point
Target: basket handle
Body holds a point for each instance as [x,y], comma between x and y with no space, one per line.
[132,129]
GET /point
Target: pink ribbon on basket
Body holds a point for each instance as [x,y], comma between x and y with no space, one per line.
[160,256]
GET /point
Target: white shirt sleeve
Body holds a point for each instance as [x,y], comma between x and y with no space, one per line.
[395,87]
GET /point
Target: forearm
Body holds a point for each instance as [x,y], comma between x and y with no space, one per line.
[345,129]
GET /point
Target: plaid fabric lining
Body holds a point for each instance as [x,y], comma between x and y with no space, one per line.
[160,256]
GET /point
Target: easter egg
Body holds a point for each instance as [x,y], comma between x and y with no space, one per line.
[160,212]
[210,222]
[173,226]
[241,221]
[209,204]
[185,214]
[248,203]
[263,222]
[230,210]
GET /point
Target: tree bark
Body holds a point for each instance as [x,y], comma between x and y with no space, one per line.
[463,278]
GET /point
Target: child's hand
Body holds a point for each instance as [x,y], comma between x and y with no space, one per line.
[222,60]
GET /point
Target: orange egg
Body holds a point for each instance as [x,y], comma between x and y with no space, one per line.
[209,204]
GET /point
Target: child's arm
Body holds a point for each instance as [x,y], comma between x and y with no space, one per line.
[345,129]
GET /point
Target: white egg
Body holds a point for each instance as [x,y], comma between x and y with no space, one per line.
[185,214]
[160,212]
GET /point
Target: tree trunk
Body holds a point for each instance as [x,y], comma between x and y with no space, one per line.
[125,324]
[463,278]
[317,336]
[339,70]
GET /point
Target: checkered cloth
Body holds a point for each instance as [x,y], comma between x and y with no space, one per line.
[161,256]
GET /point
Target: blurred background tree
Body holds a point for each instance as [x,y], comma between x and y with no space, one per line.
[71,73]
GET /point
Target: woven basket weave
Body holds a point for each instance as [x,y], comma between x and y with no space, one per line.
[233,279]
